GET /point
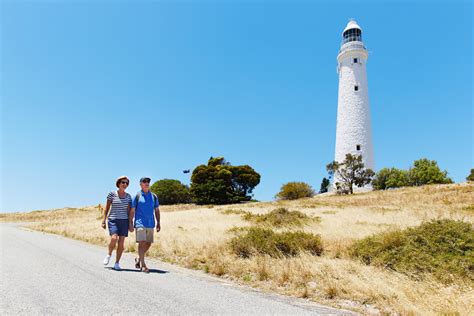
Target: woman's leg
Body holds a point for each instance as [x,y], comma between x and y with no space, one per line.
[112,243]
[118,255]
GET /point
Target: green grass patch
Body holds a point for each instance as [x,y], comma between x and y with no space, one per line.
[260,241]
[280,217]
[442,248]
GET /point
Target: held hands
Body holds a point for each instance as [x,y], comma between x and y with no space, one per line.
[103,224]
[158,227]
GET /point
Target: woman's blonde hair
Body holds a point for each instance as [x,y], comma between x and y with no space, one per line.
[120,179]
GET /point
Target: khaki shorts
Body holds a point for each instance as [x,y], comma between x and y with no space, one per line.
[144,234]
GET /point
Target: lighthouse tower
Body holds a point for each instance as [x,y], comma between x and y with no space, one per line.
[354,132]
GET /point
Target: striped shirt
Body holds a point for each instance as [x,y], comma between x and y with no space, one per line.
[119,209]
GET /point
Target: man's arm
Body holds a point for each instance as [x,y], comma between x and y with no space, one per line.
[106,212]
[157,215]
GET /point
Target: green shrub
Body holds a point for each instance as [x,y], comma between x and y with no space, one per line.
[470,177]
[443,248]
[218,182]
[171,191]
[295,190]
[262,241]
[388,178]
[426,171]
[279,217]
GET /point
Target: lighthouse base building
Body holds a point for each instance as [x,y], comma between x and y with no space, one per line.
[354,130]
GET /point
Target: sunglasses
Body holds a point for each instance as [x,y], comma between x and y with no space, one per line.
[124,182]
[146,181]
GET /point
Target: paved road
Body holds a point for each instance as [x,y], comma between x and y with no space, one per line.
[48,274]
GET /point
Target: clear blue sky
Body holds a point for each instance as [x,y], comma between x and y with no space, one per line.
[91,90]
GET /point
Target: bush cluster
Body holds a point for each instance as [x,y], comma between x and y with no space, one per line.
[443,248]
[422,172]
[262,241]
[388,178]
[295,190]
[278,218]
[171,191]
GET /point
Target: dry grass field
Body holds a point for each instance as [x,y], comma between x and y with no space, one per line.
[198,237]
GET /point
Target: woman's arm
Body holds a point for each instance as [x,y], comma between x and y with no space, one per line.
[131,214]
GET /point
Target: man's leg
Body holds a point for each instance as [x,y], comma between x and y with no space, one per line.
[120,247]
[141,253]
[112,243]
[147,246]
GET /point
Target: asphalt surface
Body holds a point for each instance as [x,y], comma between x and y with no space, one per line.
[49,274]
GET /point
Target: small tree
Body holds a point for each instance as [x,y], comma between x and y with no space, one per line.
[295,190]
[324,185]
[390,178]
[426,171]
[471,176]
[350,172]
[171,191]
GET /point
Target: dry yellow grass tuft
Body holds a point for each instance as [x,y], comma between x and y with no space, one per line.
[197,237]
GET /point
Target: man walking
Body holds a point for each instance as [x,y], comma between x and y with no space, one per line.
[144,208]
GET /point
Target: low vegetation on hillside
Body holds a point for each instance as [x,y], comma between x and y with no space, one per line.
[279,217]
[264,241]
[442,248]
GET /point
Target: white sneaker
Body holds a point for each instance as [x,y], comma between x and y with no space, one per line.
[117,266]
[106,260]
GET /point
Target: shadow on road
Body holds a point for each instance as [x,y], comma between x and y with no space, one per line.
[136,270]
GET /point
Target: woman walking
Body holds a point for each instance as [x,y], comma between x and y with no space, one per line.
[118,203]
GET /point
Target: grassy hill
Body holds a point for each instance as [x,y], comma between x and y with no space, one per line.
[324,253]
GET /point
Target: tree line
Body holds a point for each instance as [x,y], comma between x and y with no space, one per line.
[219,182]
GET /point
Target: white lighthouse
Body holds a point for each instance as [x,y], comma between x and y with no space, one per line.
[354,131]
